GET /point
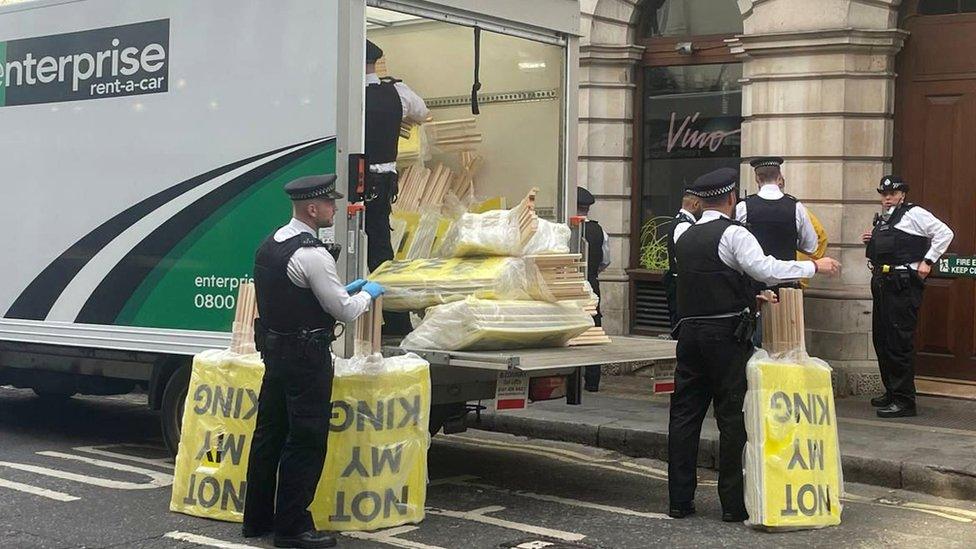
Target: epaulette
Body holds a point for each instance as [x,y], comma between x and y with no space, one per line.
[309,241]
[389,80]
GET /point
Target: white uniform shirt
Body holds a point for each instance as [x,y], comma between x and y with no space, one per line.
[315,268]
[682,226]
[739,250]
[920,222]
[414,111]
[806,234]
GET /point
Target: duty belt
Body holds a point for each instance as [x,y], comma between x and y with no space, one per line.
[302,343]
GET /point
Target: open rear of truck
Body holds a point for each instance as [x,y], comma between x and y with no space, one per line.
[148,143]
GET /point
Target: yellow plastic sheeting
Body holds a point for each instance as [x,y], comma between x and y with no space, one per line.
[376,469]
[375,475]
[475,324]
[793,476]
[218,420]
[420,234]
[417,285]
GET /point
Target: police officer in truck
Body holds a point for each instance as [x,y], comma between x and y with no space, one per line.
[901,248]
[299,300]
[717,261]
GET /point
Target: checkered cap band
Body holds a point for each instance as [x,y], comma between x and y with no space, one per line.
[313,194]
[714,192]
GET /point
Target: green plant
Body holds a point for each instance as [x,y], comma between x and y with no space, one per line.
[654,247]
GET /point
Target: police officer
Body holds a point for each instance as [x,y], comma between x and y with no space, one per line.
[715,259]
[901,248]
[598,259]
[388,103]
[779,221]
[689,213]
[299,300]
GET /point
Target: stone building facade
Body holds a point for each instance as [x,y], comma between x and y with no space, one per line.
[818,87]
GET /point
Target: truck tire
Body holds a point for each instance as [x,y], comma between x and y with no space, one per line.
[440,413]
[171,407]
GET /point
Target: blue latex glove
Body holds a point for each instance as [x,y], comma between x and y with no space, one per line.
[355,286]
[374,289]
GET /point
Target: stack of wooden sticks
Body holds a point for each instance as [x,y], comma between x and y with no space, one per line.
[460,134]
[565,277]
[528,221]
[242,336]
[593,336]
[782,322]
[422,188]
[369,330]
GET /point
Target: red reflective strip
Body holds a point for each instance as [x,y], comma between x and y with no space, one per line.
[664,387]
[510,404]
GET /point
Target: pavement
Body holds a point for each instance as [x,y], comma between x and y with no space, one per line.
[934,453]
[91,472]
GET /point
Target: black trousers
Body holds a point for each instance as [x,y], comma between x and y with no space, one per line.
[897,297]
[289,445]
[591,374]
[711,368]
[380,194]
[380,189]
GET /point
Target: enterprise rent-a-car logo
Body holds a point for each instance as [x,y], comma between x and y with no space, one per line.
[92,64]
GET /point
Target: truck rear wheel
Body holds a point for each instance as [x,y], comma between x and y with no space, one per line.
[171,408]
[442,413]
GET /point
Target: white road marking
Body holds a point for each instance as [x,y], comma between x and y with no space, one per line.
[43,492]
[387,537]
[204,540]
[558,499]
[568,456]
[159,480]
[950,513]
[104,451]
[481,515]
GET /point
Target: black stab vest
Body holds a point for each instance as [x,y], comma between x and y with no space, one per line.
[678,219]
[283,306]
[708,286]
[384,112]
[891,246]
[773,222]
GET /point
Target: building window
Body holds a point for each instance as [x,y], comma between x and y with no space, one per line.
[946,7]
[691,125]
[670,18]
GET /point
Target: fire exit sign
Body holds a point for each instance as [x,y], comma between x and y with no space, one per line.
[958,266]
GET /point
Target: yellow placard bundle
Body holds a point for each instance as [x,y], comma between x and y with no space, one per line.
[793,476]
[375,474]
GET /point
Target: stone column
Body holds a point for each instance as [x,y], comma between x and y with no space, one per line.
[818,90]
[607,61]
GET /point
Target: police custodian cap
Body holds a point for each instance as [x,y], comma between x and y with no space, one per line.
[584,197]
[766,161]
[373,52]
[891,183]
[313,186]
[714,183]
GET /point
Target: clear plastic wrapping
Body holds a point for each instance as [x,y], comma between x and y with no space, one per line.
[493,233]
[549,238]
[417,285]
[476,324]
[377,449]
[793,475]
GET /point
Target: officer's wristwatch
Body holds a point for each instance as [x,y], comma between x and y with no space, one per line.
[928,262]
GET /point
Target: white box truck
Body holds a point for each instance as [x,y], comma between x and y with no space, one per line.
[146,145]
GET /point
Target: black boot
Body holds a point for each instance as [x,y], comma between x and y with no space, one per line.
[313,539]
[255,530]
[881,401]
[897,410]
[681,510]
